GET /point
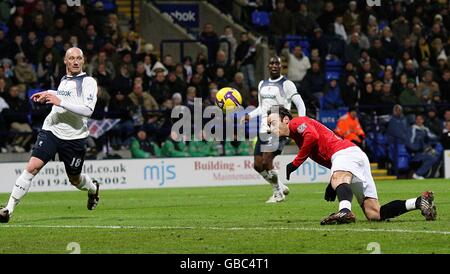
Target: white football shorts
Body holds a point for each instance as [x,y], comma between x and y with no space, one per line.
[355,161]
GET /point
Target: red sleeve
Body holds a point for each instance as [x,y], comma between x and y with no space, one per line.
[310,136]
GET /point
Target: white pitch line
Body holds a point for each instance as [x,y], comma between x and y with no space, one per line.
[231,228]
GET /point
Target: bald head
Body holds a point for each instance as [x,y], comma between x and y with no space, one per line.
[74,61]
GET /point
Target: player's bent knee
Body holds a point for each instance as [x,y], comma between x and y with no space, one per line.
[340,177]
[372,215]
[34,165]
[259,167]
[74,179]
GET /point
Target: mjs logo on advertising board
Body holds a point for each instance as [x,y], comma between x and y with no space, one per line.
[160,173]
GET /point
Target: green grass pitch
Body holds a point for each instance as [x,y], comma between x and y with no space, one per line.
[220,220]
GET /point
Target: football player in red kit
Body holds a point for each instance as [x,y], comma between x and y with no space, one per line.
[350,170]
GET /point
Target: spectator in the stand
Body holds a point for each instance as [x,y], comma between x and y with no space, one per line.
[191,94]
[298,65]
[390,43]
[423,146]
[319,41]
[219,78]
[353,49]
[101,58]
[121,107]
[159,89]
[168,62]
[427,88]
[387,99]
[370,99]
[405,58]
[211,99]
[240,85]
[349,128]
[228,43]
[332,99]
[378,51]
[187,66]
[350,91]
[409,99]
[351,16]
[122,82]
[253,98]
[104,79]
[400,28]
[245,59]
[142,147]
[31,47]
[407,46]
[59,29]
[314,81]
[304,22]
[126,59]
[211,40]
[328,15]
[423,49]
[145,105]
[17,118]
[4,45]
[201,86]
[47,46]
[221,62]
[444,85]
[174,146]
[281,24]
[48,72]
[410,70]
[24,71]
[339,28]
[445,137]
[397,127]
[177,100]
[140,72]
[202,83]
[433,122]
[176,84]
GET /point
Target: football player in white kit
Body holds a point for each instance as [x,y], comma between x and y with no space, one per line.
[64,132]
[275,91]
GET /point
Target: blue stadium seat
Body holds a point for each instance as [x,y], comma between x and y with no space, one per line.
[331,75]
[333,65]
[297,40]
[261,18]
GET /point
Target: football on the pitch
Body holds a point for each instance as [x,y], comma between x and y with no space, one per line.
[228,99]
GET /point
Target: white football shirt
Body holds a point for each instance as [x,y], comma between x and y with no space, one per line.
[278,92]
[76,90]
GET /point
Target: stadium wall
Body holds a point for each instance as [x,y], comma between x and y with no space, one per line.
[447,163]
[162,173]
[156,27]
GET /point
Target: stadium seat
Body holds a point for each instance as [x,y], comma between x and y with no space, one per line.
[297,40]
[260,18]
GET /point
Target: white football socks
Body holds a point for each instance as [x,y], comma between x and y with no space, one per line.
[20,189]
[411,204]
[271,176]
[86,184]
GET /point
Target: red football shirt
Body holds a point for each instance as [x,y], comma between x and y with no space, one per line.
[315,141]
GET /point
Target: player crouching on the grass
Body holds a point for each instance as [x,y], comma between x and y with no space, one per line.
[64,132]
[350,169]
